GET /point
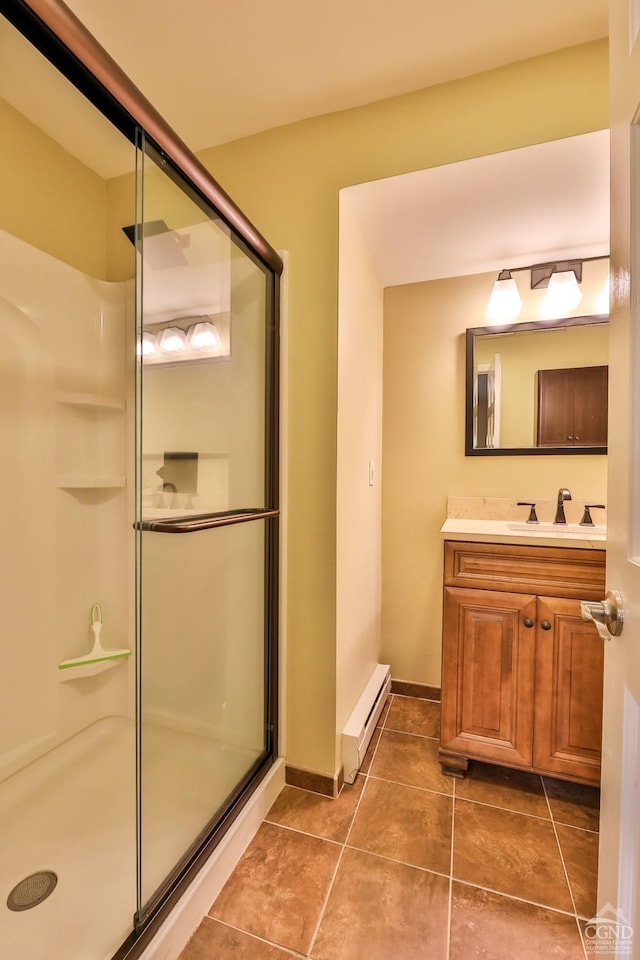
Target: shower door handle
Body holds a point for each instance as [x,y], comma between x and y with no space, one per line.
[204,521]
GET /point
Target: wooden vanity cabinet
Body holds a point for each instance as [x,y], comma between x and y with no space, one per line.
[522,672]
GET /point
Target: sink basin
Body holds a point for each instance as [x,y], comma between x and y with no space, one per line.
[560,529]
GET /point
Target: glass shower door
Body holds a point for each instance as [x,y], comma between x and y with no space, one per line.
[206,521]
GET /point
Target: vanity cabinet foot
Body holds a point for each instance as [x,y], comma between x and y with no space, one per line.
[452,765]
[522,673]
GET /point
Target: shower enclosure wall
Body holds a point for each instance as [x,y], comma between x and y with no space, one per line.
[138,416]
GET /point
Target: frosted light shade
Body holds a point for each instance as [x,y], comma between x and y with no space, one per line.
[172,340]
[563,294]
[505,302]
[203,336]
[149,346]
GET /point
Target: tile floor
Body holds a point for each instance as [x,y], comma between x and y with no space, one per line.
[409,864]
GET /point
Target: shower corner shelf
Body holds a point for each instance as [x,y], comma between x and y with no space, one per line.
[80,482]
[89,669]
[92,400]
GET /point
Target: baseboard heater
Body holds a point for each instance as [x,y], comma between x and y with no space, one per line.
[362,722]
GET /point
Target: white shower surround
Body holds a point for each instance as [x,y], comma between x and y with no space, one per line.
[67,773]
[73,812]
[63,334]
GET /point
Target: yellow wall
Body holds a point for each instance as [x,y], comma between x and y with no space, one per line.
[424,461]
[359,501]
[121,212]
[287,181]
[51,200]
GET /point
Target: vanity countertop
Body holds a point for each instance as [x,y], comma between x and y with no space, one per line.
[509,531]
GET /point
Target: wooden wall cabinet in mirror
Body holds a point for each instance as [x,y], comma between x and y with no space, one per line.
[537,388]
[572,407]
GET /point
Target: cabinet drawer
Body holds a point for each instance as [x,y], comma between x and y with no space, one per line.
[552,571]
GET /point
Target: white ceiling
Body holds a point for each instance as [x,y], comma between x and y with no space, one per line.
[544,202]
[220,70]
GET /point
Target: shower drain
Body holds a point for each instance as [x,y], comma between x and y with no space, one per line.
[32,890]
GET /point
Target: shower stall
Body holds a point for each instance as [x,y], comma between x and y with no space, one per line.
[138,417]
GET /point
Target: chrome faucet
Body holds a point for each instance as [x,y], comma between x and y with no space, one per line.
[563,494]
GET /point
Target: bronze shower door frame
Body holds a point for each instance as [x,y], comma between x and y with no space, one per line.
[61,37]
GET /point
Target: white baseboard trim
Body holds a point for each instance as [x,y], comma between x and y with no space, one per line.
[186,916]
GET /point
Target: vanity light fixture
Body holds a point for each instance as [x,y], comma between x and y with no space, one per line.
[560,281]
[147,347]
[191,338]
[172,340]
[505,303]
[203,336]
[563,293]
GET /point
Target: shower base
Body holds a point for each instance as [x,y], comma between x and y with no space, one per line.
[73,812]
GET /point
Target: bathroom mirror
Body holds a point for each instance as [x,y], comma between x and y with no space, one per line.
[537,388]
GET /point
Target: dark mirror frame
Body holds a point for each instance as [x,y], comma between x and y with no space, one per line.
[471,334]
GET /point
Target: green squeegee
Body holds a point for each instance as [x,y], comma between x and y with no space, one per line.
[98,653]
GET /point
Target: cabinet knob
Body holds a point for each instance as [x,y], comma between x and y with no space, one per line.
[545,625]
[528,622]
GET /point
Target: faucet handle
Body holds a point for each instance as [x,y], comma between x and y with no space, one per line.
[586,516]
[533,516]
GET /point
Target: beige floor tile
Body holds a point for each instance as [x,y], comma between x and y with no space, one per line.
[405,824]
[580,852]
[278,888]
[321,816]
[215,941]
[573,803]
[486,926]
[510,853]
[411,760]
[421,717]
[389,899]
[380,910]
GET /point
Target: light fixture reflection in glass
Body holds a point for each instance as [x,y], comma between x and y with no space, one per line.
[562,296]
[148,347]
[602,303]
[505,301]
[203,336]
[172,340]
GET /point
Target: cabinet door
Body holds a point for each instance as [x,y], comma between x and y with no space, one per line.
[572,407]
[590,406]
[568,692]
[487,676]
[555,408]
